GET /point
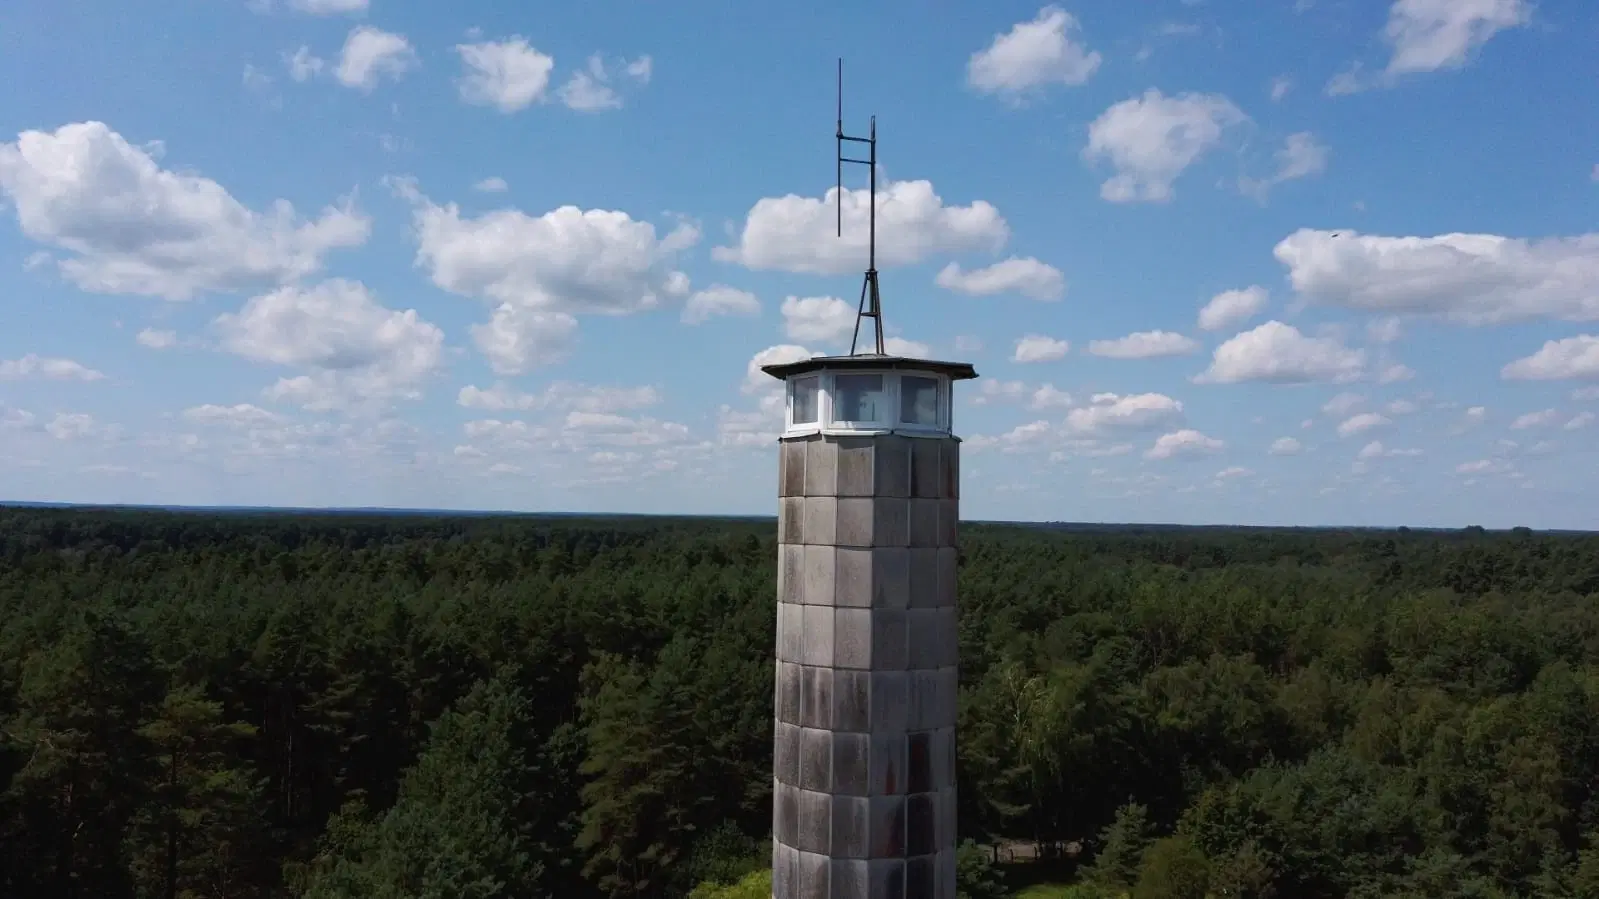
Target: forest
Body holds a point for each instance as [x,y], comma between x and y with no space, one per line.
[494,707]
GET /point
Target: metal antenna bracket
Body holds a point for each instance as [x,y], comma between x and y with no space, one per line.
[871,305]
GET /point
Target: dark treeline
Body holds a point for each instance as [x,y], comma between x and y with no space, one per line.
[256,705]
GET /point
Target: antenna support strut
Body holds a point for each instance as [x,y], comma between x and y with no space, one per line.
[871,305]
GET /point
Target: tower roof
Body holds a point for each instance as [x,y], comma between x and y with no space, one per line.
[955,371]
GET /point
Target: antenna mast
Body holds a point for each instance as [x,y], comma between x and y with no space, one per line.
[871,305]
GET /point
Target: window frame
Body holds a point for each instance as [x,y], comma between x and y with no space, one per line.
[821,391]
[827,387]
[890,394]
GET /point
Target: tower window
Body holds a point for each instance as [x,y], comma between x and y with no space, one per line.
[803,400]
[859,398]
[918,401]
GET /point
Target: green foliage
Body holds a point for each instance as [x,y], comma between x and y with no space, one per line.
[976,875]
[1173,868]
[264,706]
[459,827]
[754,885]
[1121,851]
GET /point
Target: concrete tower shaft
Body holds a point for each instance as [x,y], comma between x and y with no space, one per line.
[866,680]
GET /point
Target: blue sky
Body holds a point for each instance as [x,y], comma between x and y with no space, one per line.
[1308,262]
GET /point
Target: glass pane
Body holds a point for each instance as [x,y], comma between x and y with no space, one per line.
[859,398]
[918,401]
[804,400]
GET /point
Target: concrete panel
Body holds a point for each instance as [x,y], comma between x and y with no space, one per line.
[921,819]
[815,759]
[785,872]
[876,577]
[851,827]
[888,754]
[791,467]
[821,467]
[950,759]
[887,878]
[890,521]
[816,696]
[852,700]
[889,649]
[946,836]
[852,638]
[815,876]
[918,762]
[815,824]
[851,763]
[923,518]
[948,653]
[788,693]
[949,463]
[922,705]
[821,520]
[786,752]
[850,878]
[888,826]
[941,758]
[926,480]
[893,466]
[816,574]
[791,519]
[785,813]
[856,469]
[890,577]
[948,576]
[949,515]
[923,638]
[890,710]
[853,580]
[817,645]
[855,521]
[946,869]
[923,562]
[920,877]
[948,709]
[791,572]
[790,632]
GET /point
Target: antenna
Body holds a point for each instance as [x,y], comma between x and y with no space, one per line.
[871,305]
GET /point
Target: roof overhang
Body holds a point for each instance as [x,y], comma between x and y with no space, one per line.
[955,371]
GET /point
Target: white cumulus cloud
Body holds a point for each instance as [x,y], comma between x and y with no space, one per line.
[1278,353]
[1471,279]
[1284,446]
[508,74]
[1302,156]
[1187,442]
[799,234]
[1428,35]
[1151,139]
[1567,358]
[1039,348]
[1044,50]
[1361,423]
[1026,276]
[1144,345]
[827,320]
[132,227]
[719,300]
[358,351]
[1231,308]
[372,54]
[1109,413]
[45,368]
[540,272]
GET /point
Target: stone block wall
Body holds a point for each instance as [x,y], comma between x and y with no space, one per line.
[864,741]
